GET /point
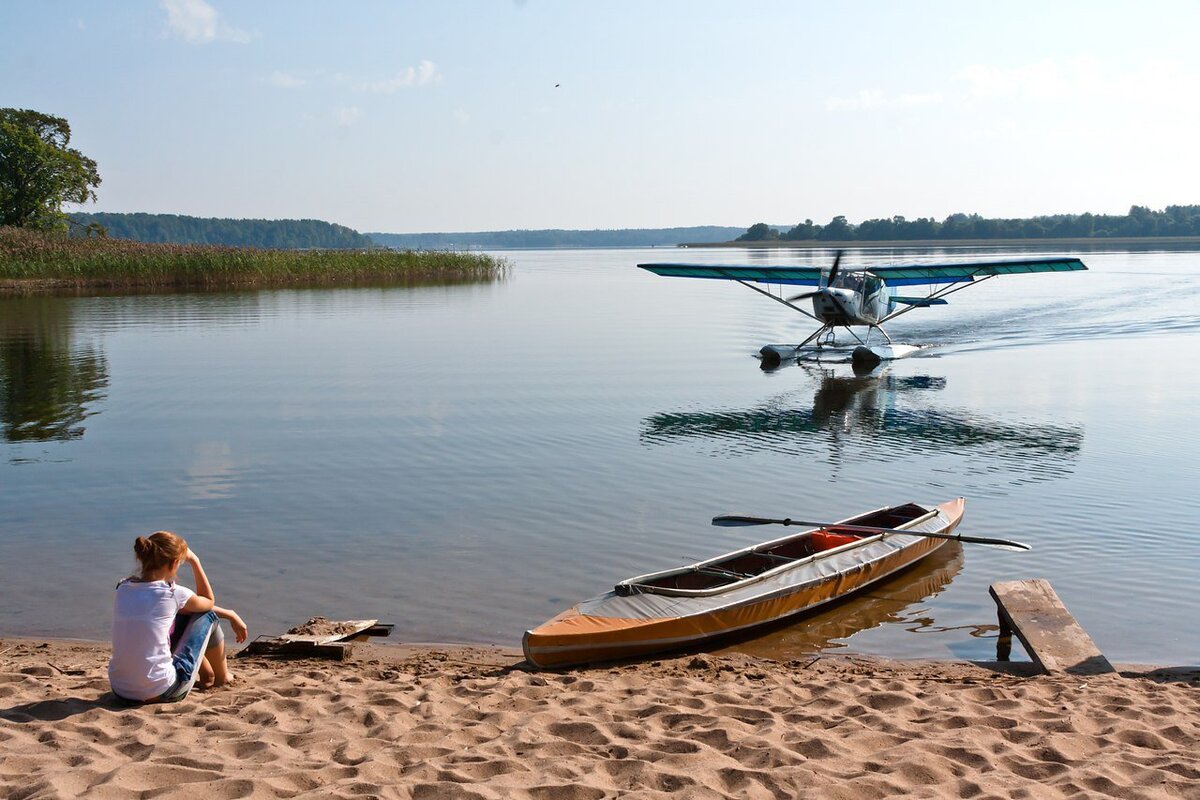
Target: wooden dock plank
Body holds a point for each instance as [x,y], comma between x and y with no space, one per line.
[274,646]
[1054,640]
[346,630]
[336,642]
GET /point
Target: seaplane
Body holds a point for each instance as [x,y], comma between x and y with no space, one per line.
[858,297]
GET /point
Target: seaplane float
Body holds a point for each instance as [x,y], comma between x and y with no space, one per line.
[859,297]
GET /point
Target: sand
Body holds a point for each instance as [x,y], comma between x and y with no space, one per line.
[467,722]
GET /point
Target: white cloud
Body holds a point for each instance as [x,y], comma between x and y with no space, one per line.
[1154,82]
[347,116]
[869,99]
[1047,79]
[197,22]
[423,74]
[284,80]
[462,116]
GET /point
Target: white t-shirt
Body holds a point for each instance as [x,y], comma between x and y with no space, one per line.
[141,668]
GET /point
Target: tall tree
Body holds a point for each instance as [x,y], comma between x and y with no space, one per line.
[838,230]
[759,232]
[39,171]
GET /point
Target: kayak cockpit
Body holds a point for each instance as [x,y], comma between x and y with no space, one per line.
[740,567]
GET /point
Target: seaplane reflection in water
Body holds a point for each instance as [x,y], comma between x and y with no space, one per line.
[864,296]
[886,417]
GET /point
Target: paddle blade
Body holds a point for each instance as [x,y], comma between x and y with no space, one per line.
[733,521]
[1003,544]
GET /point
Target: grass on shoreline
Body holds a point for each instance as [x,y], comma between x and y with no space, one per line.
[33,261]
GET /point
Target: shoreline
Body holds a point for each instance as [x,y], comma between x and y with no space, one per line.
[382,649]
[777,244]
[33,261]
[411,721]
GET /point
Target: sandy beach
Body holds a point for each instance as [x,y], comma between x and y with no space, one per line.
[471,722]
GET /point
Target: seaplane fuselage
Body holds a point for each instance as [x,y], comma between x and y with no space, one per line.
[853,299]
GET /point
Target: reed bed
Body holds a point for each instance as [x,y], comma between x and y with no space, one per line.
[33,260]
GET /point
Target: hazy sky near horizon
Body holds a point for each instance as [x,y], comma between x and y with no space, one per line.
[462,116]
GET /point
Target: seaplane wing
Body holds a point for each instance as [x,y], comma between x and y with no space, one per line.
[895,275]
[939,278]
[964,272]
[799,276]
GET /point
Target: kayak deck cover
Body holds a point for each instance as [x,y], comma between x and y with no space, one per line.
[737,590]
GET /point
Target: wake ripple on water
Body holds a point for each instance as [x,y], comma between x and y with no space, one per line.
[1108,304]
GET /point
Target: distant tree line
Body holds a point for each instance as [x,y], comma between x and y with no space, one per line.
[499,240]
[275,234]
[1140,221]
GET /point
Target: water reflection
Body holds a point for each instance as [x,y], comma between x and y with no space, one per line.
[898,600]
[50,381]
[885,417]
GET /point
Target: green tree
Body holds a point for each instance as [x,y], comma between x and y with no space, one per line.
[38,171]
[838,230]
[759,232]
[801,231]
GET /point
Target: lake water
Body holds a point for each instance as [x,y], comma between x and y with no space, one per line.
[467,461]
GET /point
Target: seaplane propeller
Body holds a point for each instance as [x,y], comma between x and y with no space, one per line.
[837,259]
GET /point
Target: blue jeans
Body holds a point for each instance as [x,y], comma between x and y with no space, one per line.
[188,646]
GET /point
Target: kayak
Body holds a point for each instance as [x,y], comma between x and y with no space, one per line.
[735,591]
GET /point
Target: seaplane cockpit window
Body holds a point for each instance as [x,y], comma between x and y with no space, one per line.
[848,280]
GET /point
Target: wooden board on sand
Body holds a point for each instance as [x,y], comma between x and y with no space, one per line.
[322,631]
[1054,640]
[318,638]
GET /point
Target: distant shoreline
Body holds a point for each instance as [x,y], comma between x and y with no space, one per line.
[779,244]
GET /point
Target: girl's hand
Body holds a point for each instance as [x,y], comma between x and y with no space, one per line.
[191,556]
[239,627]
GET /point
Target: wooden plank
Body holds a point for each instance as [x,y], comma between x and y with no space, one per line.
[350,629]
[381,629]
[1054,640]
[271,646]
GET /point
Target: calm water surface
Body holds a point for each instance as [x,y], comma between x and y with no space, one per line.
[467,461]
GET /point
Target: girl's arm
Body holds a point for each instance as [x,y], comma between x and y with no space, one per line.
[197,605]
[235,622]
[203,587]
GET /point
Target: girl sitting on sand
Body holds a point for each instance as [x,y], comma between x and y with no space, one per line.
[165,637]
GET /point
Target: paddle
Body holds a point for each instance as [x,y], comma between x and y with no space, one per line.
[732,521]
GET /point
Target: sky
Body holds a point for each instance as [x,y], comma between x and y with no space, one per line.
[468,116]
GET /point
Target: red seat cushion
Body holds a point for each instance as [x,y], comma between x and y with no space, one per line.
[824,540]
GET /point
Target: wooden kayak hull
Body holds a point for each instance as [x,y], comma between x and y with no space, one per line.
[588,632]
